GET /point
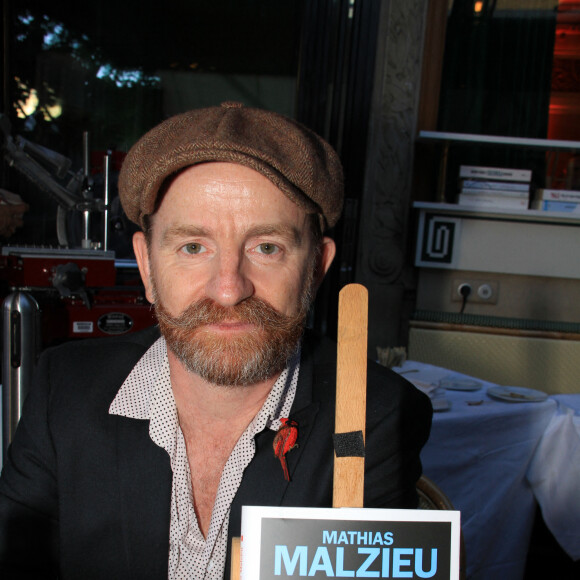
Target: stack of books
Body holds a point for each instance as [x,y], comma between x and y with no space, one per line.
[562,200]
[494,187]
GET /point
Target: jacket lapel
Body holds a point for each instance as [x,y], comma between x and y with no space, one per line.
[263,482]
[145,488]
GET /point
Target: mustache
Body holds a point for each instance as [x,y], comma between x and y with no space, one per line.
[253,310]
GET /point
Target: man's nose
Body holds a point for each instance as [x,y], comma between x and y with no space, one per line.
[229,283]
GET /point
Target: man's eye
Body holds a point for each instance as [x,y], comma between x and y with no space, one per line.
[268,248]
[193,248]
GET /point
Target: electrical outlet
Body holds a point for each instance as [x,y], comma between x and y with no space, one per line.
[481,291]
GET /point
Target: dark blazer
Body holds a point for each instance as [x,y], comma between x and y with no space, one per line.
[85,494]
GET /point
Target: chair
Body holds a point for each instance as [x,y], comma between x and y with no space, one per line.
[431,497]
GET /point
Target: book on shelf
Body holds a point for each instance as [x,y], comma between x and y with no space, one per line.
[571,195]
[492,201]
[489,184]
[558,206]
[495,173]
[496,192]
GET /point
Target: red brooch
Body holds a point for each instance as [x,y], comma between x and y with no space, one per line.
[284,441]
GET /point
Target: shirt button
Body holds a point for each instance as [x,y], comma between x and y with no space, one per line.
[210,565]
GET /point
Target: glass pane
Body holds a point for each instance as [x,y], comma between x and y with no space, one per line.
[511,68]
[497,67]
[115,69]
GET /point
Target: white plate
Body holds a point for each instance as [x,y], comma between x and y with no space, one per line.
[516,394]
[460,384]
[440,405]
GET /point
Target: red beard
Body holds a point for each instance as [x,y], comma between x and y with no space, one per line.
[242,359]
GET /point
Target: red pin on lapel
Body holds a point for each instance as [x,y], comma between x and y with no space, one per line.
[284,441]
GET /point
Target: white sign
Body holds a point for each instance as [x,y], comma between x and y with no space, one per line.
[284,543]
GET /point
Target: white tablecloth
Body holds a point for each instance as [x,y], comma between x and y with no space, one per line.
[479,452]
[554,474]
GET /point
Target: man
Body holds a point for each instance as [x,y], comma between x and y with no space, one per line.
[134,455]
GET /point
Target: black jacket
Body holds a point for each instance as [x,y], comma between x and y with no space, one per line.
[87,494]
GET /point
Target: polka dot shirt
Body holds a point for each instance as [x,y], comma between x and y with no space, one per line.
[146,394]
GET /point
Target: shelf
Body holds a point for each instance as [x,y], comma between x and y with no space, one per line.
[513,242]
[530,215]
[467,138]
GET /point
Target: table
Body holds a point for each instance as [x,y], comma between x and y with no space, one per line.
[479,452]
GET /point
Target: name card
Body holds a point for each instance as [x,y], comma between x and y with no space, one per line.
[284,543]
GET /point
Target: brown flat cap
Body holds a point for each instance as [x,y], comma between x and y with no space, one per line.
[301,164]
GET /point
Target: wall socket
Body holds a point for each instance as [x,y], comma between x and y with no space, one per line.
[482,291]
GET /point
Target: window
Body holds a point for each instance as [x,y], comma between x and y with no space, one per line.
[112,70]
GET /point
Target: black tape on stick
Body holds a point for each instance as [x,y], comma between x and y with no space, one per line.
[350,444]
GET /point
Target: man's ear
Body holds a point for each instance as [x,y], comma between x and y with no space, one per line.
[325,259]
[142,257]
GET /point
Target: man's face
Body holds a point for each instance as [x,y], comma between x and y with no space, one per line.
[230,267]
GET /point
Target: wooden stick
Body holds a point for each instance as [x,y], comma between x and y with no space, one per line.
[351,384]
[235,563]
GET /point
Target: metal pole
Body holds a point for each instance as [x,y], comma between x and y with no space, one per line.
[86,241]
[106,203]
[21,338]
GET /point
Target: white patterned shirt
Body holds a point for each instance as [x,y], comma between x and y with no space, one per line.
[146,394]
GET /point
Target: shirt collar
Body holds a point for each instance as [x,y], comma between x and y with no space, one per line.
[148,387]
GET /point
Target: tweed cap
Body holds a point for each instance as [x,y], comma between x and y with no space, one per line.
[301,164]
